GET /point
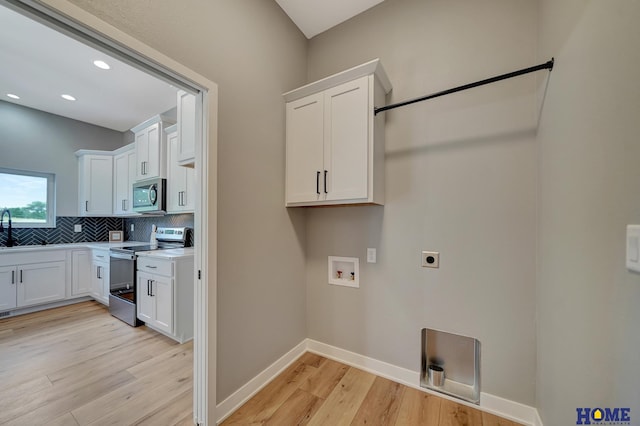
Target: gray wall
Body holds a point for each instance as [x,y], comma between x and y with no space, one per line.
[254,53]
[460,179]
[39,141]
[588,316]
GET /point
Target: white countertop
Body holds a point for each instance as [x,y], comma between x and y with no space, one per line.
[175,253]
[105,245]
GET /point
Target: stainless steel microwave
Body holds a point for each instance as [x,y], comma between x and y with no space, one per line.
[150,195]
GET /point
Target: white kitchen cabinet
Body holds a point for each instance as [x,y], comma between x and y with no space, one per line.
[187,126]
[41,283]
[180,180]
[100,276]
[165,295]
[335,142]
[124,175]
[95,183]
[8,287]
[80,272]
[150,149]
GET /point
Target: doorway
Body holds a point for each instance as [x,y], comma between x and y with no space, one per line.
[77,24]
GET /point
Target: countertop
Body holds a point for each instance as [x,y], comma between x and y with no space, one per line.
[104,245]
[169,254]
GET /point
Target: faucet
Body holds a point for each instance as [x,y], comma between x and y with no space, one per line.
[10,240]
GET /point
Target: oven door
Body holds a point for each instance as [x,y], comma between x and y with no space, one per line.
[122,294]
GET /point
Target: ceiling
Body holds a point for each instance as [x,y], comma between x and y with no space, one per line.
[40,64]
[314,16]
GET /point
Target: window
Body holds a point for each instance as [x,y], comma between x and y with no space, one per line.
[29,196]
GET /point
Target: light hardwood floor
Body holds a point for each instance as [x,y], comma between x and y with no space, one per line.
[78,365]
[318,391]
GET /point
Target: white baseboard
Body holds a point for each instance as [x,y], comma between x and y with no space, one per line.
[253,386]
[490,403]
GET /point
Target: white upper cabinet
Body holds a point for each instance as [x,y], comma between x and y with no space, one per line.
[180,180]
[187,126]
[150,149]
[335,142]
[124,175]
[95,183]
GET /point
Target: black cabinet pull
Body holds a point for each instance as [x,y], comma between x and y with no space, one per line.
[148,293]
[13,277]
[318,182]
[325,182]
[20,275]
[86,206]
[151,292]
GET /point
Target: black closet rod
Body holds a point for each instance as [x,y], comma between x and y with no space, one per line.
[546,66]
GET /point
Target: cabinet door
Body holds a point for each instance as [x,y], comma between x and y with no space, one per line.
[189,195]
[41,283]
[8,285]
[346,142]
[305,149]
[152,168]
[162,294]
[175,175]
[100,281]
[96,185]
[186,128]
[144,301]
[80,272]
[124,175]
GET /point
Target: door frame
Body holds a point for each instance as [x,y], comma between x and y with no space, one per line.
[77,23]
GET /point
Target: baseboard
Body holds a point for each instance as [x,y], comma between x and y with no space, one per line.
[490,403]
[253,386]
[31,309]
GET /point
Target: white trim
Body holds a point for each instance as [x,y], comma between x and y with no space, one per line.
[253,386]
[505,408]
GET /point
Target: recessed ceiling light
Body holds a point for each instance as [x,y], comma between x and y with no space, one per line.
[101,64]
[12,96]
[68,97]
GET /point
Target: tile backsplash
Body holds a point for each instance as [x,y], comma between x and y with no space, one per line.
[97,229]
[93,229]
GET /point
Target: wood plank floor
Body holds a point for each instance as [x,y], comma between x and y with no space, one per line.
[78,365]
[318,391]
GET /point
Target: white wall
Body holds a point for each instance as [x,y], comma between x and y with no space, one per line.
[460,179]
[588,341]
[254,53]
[39,141]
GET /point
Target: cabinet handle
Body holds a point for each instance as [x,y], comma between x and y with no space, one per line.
[325,182]
[318,182]
[148,292]
[98,272]
[86,206]
[151,286]
[20,275]
[13,277]
[151,267]
[100,256]
[123,205]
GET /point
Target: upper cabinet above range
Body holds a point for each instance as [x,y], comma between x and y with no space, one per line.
[335,142]
[151,148]
[187,128]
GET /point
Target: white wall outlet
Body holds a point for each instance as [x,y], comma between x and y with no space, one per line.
[132,227]
[633,248]
[77,228]
[430,259]
[371,255]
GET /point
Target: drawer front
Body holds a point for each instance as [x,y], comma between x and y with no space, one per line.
[155,266]
[100,255]
[7,257]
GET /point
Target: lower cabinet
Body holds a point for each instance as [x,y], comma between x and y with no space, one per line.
[26,284]
[100,276]
[81,272]
[165,295]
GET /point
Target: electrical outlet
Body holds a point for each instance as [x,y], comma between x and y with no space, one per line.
[371,255]
[430,259]
[132,227]
[77,228]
